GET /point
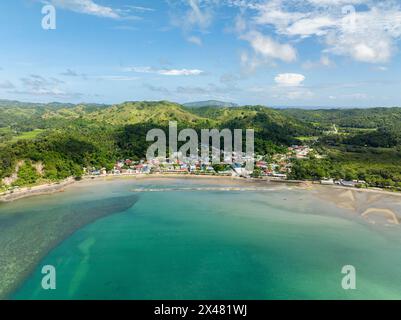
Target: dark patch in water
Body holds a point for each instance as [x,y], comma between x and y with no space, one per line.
[26,237]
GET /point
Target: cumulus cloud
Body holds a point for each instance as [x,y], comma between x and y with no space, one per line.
[268,48]
[289,79]
[365,30]
[368,35]
[166,72]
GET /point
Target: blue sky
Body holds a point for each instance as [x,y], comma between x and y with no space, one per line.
[270,52]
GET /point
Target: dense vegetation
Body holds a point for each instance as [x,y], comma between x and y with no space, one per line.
[362,144]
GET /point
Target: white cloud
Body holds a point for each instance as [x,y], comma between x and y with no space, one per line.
[289,79]
[367,35]
[87,7]
[197,13]
[198,17]
[367,32]
[139,8]
[306,27]
[268,48]
[195,40]
[324,61]
[166,72]
[180,72]
[323,3]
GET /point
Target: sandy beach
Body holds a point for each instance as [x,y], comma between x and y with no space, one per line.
[50,188]
[36,190]
[376,206]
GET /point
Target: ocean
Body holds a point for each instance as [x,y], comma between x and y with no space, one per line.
[194,239]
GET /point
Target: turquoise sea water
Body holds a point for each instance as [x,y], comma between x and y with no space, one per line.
[277,244]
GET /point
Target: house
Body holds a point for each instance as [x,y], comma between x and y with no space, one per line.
[226,173]
[146,169]
[280,175]
[95,173]
[261,164]
[327,182]
[348,183]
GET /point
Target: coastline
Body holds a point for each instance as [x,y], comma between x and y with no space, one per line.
[43,189]
[51,188]
[374,206]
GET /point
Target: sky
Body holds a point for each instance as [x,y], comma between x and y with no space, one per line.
[309,53]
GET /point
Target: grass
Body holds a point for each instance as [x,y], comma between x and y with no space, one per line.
[307,139]
[27,135]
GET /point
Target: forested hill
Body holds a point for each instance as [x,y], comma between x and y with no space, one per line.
[356,118]
[61,139]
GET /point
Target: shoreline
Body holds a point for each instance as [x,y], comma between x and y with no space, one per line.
[370,205]
[43,189]
[51,188]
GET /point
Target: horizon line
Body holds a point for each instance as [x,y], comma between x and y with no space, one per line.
[311,107]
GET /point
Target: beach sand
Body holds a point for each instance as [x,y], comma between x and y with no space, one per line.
[373,205]
[36,190]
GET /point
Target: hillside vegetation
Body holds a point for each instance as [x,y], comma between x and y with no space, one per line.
[64,138]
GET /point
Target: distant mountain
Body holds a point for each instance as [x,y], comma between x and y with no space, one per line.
[209,103]
[51,105]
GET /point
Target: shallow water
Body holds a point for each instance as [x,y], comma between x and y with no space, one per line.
[272,244]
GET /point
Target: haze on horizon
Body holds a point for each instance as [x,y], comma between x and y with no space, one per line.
[315,53]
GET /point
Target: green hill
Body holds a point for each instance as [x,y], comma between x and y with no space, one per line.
[144,112]
[63,138]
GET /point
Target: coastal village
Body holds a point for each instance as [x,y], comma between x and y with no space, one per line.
[232,165]
[276,168]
